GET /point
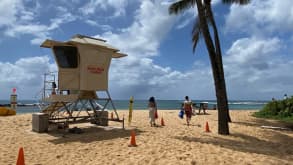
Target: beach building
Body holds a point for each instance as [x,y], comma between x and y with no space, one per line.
[83,64]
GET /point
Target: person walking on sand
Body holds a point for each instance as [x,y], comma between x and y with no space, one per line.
[152,111]
[187,106]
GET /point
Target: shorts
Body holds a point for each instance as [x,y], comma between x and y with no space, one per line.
[188,114]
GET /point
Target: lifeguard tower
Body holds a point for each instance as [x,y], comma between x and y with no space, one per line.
[83,65]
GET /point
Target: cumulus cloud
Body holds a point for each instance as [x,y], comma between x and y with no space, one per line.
[138,74]
[258,64]
[26,74]
[253,52]
[19,18]
[255,69]
[143,78]
[261,17]
[151,24]
[8,12]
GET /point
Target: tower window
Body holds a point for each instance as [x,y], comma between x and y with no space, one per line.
[66,56]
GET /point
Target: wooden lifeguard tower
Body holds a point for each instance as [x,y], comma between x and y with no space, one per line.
[83,65]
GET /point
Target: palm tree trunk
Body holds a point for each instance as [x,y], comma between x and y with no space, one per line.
[218,55]
[223,127]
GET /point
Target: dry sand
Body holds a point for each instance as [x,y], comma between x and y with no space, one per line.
[175,143]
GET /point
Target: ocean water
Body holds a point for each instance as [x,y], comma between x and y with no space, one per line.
[30,106]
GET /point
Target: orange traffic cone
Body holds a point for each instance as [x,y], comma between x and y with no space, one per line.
[112,116]
[20,159]
[162,122]
[132,140]
[207,127]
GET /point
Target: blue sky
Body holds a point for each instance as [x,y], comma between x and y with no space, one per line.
[256,46]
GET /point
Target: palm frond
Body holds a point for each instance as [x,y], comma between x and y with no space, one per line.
[180,6]
[241,2]
[196,31]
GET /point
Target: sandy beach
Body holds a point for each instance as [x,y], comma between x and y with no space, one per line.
[174,143]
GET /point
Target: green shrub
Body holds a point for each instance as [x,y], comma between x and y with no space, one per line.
[281,109]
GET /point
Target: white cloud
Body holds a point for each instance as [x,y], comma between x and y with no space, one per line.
[26,74]
[143,37]
[137,74]
[95,5]
[25,29]
[41,37]
[255,69]
[183,23]
[62,19]
[8,11]
[27,16]
[142,78]
[247,51]
[259,64]
[94,23]
[18,19]
[261,17]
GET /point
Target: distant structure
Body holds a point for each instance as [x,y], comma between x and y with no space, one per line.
[285,96]
[83,65]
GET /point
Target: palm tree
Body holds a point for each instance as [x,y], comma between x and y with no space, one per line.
[201,28]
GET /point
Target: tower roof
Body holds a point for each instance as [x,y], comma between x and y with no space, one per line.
[82,39]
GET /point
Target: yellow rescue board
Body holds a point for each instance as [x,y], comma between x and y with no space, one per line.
[130,110]
[4,111]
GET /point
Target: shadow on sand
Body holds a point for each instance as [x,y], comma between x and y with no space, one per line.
[257,122]
[91,134]
[275,143]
